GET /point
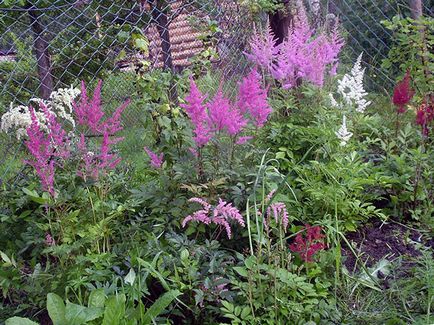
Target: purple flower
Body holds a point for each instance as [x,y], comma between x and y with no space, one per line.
[252,99]
[303,55]
[156,160]
[224,117]
[219,215]
[46,148]
[89,113]
[196,111]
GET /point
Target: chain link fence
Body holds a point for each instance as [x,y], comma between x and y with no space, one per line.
[46,45]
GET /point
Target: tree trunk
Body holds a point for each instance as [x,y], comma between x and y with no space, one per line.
[416,8]
[40,46]
[281,21]
[159,17]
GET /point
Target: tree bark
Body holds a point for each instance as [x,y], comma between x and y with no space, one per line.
[40,46]
[160,18]
[280,22]
[416,8]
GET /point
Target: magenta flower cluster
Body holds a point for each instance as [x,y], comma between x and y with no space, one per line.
[156,161]
[277,211]
[220,215]
[50,148]
[221,115]
[304,55]
[90,114]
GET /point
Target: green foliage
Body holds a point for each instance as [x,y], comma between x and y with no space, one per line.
[412,49]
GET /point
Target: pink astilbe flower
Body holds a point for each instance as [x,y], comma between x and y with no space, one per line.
[87,168]
[263,49]
[424,116]
[220,215]
[56,134]
[196,111]
[224,117]
[303,55]
[243,140]
[156,160]
[277,211]
[38,144]
[308,242]
[252,99]
[49,241]
[280,214]
[48,149]
[90,113]
[402,94]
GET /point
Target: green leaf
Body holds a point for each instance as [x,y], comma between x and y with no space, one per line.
[77,314]
[114,310]
[97,298]
[56,309]
[158,306]
[241,271]
[19,321]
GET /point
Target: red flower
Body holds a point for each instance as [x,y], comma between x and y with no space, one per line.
[402,94]
[424,116]
[308,244]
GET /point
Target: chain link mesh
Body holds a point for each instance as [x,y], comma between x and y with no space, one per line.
[45,45]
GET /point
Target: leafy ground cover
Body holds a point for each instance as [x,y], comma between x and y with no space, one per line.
[286,195]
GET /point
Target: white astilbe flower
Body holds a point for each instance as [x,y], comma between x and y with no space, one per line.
[18,118]
[61,103]
[350,88]
[343,134]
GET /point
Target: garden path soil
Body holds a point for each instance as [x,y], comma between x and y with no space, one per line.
[378,240]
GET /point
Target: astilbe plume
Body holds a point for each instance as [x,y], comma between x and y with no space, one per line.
[277,211]
[264,49]
[220,215]
[89,113]
[38,144]
[308,242]
[156,161]
[303,55]
[48,149]
[252,99]
[351,89]
[424,116]
[402,94]
[223,116]
[196,111]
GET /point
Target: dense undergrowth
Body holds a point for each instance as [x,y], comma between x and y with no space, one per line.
[287,196]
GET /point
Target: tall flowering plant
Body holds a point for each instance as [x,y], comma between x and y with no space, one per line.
[221,116]
[221,215]
[90,114]
[304,55]
[50,146]
[48,149]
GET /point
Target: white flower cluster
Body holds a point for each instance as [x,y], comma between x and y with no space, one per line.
[18,118]
[351,88]
[343,134]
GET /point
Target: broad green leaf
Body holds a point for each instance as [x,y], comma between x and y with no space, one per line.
[114,310]
[19,321]
[241,271]
[56,309]
[97,298]
[159,305]
[77,315]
